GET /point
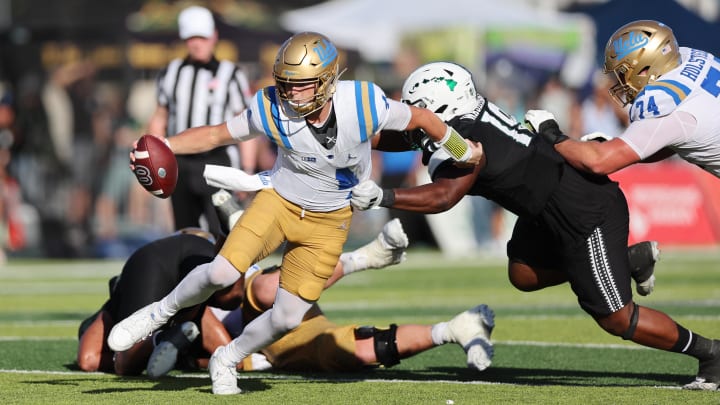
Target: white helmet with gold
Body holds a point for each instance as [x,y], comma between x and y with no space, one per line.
[445,88]
[639,53]
[307,57]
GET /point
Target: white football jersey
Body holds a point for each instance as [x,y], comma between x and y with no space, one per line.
[305,172]
[660,114]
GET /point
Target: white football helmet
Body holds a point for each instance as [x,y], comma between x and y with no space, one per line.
[638,53]
[445,88]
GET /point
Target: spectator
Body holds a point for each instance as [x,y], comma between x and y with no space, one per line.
[195,91]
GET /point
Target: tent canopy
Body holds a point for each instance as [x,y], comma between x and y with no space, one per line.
[375,28]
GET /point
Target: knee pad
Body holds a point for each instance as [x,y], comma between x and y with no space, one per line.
[630,331]
[385,343]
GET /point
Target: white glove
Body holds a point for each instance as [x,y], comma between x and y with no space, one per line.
[596,136]
[366,195]
[537,117]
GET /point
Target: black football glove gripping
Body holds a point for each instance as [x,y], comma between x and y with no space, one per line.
[551,132]
[544,124]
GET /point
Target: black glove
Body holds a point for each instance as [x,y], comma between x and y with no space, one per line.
[544,124]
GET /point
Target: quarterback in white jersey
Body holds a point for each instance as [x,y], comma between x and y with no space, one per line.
[317,174]
[673,94]
[322,128]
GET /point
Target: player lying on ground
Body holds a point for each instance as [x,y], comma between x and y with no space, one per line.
[572,226]
[316,345]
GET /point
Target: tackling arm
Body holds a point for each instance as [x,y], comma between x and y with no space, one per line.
[600,158]
[450,185]
[445,136]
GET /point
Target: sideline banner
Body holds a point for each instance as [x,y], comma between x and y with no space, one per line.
[672,202]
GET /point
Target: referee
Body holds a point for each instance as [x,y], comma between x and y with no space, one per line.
[194,91]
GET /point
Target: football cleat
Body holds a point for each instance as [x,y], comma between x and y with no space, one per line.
[708,377]
[224,376]
[227,208]
[642,257]
[171,342]
[471,330]
[387,249]
[135,328]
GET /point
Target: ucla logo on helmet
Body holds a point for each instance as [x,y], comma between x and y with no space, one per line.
[326,51]
[634,41]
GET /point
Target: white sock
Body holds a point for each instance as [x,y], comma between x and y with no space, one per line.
[353,261]
[439,334]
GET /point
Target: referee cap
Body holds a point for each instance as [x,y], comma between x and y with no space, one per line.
[196,22]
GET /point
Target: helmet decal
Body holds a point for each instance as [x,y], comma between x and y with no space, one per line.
[445,88]
[326,51]
[635,41]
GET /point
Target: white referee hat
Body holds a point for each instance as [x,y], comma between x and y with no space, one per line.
[196,22]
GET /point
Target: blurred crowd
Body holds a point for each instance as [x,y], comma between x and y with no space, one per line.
[66,190]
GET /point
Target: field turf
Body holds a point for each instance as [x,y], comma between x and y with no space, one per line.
[547,350]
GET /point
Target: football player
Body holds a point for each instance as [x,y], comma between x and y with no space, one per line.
[322,127]
[572,226]
[673,94]
[316,345]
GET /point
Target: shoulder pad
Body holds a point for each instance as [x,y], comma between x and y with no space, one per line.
[658,99]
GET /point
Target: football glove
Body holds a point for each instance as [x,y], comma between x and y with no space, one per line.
[544,124]
[596,136]
[366,195]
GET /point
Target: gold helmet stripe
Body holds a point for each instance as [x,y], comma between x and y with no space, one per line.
[367,116]
[270,117]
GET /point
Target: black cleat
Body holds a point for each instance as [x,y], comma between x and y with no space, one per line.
[708,377]
[642,257]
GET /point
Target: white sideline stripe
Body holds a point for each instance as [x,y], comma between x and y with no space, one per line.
[241,376]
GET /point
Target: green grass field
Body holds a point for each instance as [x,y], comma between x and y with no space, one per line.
[547,350]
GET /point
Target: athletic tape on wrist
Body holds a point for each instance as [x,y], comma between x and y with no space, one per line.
[455,145]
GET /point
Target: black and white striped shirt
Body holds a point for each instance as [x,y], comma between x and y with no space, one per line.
[198,94]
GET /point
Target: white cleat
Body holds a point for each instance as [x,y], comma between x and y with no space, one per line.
[701,384]
[224,377]
[393,235]
[388,248]
[471,329]
[134,328]
[164,356]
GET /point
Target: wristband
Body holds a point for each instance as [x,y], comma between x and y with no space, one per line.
[388,198]
[455,145]
[551,132]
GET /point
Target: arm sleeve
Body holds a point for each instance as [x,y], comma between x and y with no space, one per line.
[398,116]
[241,127]
[648,136]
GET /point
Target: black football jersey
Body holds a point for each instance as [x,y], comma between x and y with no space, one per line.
[521,170]
[153,270]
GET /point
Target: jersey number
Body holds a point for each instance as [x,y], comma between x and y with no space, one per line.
[651,107]
[710,84]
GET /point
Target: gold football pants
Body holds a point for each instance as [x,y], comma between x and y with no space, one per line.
[314,241]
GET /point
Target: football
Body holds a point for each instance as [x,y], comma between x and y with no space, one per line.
[155,166]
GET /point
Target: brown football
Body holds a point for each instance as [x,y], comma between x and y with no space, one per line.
[155,166]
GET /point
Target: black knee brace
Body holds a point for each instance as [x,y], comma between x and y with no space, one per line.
[385,343]
[633,323]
